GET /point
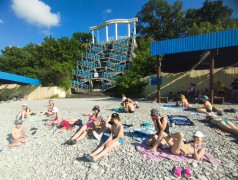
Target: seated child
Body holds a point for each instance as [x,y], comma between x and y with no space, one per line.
[68,125]
[48,111]
[161,124]
[207,108]
[24,113]
[18,136]
[184,102]
[105,126]
[124,100]
[116,139]
[179,147]
[57,119]
[87,127]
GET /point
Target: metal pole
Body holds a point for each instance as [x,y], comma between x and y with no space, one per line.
[211,76]
[158,77]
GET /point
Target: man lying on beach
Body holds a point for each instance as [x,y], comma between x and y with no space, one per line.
[116,139]
[223,124]
[179,147]
[24,113]
[48,112]
[87,127]
[57,119]
[18,136]
[105,126]
[161,124]
[207,108]
[67,125]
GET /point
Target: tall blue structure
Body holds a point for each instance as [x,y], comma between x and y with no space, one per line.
[102,62]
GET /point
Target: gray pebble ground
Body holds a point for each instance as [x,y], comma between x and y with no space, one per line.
[46,158]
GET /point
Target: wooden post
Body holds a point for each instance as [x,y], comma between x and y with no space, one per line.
[158,77]
[211,76]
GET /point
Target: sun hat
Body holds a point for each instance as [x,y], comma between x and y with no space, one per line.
[198,134]
[24,104]
[204,97]
[96,107]
[17,122]
[182,96]
[154,112]
[115,116]
[55,109]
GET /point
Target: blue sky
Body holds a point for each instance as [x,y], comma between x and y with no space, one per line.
[26,21]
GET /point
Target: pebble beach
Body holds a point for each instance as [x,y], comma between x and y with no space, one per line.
[46,156]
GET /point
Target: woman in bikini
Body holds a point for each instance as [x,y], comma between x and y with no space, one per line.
[24,113]
[87,127]
[48,112]
[223,124]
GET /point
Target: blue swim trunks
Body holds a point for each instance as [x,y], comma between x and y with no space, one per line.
[121,140]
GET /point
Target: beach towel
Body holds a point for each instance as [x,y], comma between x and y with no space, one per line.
[180,120]
[173,106]
[171,109]
[33,118]
[165,153]
[232,110]
[120,109]
[141,134]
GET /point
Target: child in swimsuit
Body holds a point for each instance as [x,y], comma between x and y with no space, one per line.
[207,108]
[24,113]
[129,107]
[57,120]
[48,112]
[87,127]
[18,136]
[184,102]
[116,139]
[67,125]
[178,147]
[223,124]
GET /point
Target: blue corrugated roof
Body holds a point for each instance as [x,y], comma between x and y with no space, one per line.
[195,43]
[7,78]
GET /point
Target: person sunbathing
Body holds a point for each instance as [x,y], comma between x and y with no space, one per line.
[87,127]
[116,139]
[184,102]
[57,119]
[161,124]
[18,136]
[24,113]
[48,112]
[223,124]
[135,103]
[105,126]
[179,147]
[128,106]
[207,108]
[67,125]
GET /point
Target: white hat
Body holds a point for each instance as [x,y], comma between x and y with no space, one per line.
[198,134]
[24,104]
[55,109]
[123,98]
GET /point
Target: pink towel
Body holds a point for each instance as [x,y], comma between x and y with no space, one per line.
[165,153]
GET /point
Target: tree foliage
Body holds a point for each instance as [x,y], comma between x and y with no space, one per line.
[51,62]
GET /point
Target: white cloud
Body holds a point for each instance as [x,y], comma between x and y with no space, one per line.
[35,12]
[107,11]
[1,21]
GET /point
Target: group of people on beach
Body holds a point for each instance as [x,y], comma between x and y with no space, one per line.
[98,124]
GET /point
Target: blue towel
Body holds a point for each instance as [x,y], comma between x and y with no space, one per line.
[141,134]
[180,120]
[172,106]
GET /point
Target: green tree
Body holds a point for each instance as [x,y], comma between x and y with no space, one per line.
[213,16]
[160,20]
